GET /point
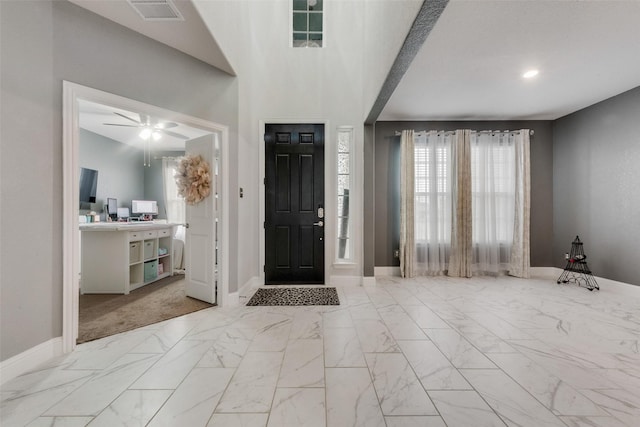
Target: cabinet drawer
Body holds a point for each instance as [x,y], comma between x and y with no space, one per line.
[135,235]
[150,234]
[164,233]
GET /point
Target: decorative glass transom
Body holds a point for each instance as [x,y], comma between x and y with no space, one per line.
[307,23]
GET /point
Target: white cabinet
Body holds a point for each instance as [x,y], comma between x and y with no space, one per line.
[118,258]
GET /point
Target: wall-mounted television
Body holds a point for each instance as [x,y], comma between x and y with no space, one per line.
[88,185]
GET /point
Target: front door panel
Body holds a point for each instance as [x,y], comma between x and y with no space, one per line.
[294,191]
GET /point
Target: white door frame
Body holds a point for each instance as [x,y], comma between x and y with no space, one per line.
[328,204]
[72,92]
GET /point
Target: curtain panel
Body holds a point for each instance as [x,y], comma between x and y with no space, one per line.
[520,249]
[465,203]
[461,227]
[407,177]
[493,189]
[433,201]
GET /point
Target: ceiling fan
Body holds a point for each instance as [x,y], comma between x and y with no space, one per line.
[149,128]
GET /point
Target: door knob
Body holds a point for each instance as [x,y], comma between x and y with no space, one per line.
[319,224]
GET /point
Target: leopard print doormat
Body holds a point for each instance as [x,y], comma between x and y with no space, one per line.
[295,296]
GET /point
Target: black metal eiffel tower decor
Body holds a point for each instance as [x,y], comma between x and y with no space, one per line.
[577,270]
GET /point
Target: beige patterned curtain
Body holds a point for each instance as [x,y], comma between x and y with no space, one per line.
[407,182]
[461,231]
[520,250]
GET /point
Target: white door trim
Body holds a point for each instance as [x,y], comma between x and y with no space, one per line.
[327,194]
[72,92]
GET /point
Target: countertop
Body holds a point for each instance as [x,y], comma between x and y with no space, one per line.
[124,226]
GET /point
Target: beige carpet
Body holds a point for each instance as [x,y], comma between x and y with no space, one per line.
[106,314]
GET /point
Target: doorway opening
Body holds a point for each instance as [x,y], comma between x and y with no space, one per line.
[216,265]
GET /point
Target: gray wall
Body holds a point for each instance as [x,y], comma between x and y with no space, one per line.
[121,172]
[387,184]
[369,217]
[120,169]
[596,173]
[43,43]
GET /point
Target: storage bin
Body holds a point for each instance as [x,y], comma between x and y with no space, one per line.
[134,252]
[150,270]
[149,249]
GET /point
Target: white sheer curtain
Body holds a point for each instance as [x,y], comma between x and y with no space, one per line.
[174,205]
[433,201]
[493,200]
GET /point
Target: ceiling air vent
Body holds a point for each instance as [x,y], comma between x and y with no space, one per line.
[156,10]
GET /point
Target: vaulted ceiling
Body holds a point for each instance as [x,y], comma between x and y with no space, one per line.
[471,65]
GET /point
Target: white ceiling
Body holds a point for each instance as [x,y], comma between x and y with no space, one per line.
[94,116]
[472,63]
[190,35]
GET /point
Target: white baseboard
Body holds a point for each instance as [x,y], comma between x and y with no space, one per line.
[607,285]
[248,288]
[368,281]
[29,359]
[545,272]
[233,299]
[386,271]
[619,288]
[345,280]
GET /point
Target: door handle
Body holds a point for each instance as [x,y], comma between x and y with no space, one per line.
[319,224]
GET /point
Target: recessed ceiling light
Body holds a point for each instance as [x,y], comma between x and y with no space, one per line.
[529,74]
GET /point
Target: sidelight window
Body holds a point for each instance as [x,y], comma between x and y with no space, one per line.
[344,168]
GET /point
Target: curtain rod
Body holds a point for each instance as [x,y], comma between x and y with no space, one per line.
[473,131]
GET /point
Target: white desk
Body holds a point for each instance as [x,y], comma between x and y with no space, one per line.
[118,257]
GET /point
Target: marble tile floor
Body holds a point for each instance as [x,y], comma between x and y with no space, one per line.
[420,352]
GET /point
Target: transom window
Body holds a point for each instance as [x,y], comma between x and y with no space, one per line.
[307,23]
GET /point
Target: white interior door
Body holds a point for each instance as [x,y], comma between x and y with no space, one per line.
[201,236]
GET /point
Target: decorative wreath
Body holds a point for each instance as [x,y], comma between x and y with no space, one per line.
[192,178]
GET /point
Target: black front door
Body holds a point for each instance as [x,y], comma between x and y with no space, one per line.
[294,203]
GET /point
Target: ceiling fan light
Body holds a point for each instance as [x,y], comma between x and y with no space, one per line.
[145,133]
[156,135]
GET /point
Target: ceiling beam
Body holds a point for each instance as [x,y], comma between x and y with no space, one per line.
[426,19]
